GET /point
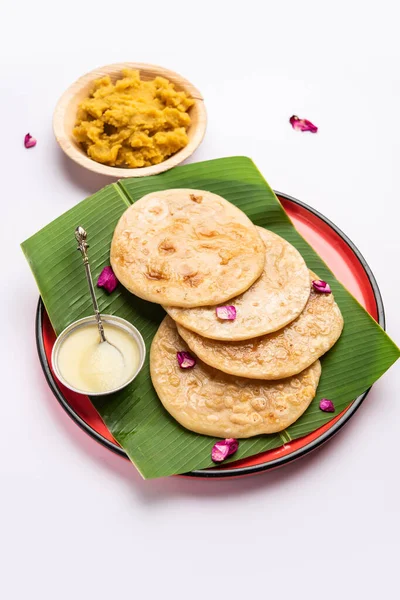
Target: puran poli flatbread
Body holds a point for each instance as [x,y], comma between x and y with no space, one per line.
[213,403]
[186,248]
[280,354]
[273,301]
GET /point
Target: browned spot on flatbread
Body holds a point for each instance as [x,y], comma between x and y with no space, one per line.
[166,247]
[155,274]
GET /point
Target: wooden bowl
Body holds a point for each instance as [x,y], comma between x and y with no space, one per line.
[65,117]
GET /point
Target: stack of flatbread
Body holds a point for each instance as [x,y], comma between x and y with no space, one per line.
[193,251]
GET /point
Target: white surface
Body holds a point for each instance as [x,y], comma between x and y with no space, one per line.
[77,521]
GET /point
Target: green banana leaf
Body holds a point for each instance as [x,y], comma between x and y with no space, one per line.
[156,444]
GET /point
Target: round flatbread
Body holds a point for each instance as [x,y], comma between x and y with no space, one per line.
[186,248]
[273,301]
[280,354]
[210,402]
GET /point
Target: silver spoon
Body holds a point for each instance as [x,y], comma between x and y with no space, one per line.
[81,237]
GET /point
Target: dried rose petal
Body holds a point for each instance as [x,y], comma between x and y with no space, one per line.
[321,286]
[221,450]
[107,280]
[185,360]
[29,141]
[302,124]
[227,313]
[327,405]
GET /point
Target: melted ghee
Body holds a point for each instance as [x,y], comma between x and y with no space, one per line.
[91,366]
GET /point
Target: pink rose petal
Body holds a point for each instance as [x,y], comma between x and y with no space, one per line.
[29,141]
[302,124]
[221,450]
[185,360]
[327,405]
[321,286]
[226,313]
[107,280]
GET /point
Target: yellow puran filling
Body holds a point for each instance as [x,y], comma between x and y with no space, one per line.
[133,123]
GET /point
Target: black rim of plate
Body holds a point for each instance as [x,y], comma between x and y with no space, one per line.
[238,471]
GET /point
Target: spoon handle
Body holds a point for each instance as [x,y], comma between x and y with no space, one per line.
[81,237]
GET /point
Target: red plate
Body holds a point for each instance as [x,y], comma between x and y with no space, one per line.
[349,267]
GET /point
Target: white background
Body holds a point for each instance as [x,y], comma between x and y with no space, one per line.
[77,521]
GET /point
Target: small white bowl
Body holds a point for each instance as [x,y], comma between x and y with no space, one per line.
[107,319]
